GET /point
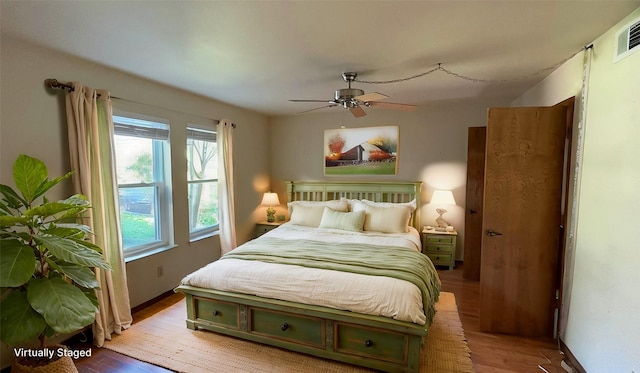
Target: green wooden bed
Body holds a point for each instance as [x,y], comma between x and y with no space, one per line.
[370,341]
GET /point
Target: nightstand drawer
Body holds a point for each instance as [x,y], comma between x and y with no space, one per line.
[440,239]
[262,228]
[440,259]
[435,249]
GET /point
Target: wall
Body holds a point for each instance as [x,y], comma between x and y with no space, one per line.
[33,122]
[602,329]
[432,148]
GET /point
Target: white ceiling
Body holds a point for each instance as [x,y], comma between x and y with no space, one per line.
[260,54]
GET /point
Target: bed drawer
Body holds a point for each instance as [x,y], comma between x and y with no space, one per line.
[372,343]
[217,312]
[281,325]
[440,259]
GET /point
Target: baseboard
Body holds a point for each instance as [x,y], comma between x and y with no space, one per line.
[152,301]
[570,358]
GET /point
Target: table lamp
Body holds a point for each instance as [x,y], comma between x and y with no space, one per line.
[270,199]
[442,197]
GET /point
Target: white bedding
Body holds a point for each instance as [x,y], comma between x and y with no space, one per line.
[373,295]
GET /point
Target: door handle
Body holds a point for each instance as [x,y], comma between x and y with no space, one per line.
[473,211]
[491,233]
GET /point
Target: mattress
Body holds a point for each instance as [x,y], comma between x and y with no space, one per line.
[376,295]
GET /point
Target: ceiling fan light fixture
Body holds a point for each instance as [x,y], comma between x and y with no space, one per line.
[348,93]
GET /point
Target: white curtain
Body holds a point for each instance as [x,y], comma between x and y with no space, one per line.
[226,207]
[90,131]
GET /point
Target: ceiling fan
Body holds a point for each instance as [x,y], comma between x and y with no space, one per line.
[354,98]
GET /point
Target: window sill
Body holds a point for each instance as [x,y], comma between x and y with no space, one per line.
[201,236]
[146,253]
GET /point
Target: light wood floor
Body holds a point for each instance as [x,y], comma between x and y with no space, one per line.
[493,353]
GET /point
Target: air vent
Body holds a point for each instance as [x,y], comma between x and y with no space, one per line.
[628,40]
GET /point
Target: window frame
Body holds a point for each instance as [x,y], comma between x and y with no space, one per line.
[205,134]
[158,130]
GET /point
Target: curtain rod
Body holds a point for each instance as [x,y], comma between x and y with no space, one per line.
[55,84]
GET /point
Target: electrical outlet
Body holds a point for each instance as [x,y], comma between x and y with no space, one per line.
[160,271]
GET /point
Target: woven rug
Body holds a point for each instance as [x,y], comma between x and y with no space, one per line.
[164,340]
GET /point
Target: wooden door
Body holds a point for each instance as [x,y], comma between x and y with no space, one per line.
[473,213]
[521,219]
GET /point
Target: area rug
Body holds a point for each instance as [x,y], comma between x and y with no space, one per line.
[164,340]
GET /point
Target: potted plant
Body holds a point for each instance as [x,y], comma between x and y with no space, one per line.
[46,263]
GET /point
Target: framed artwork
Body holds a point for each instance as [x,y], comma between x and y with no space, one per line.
[361,151]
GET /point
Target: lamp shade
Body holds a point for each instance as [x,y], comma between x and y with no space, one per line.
[270,199]
[443,197]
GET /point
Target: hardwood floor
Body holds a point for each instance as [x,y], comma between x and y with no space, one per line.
[497,352]
[493,353]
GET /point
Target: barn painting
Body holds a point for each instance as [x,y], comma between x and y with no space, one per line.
[361,151]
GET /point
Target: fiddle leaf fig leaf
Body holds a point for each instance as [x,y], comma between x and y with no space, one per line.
[72,251]
[81,275]
[9,221]
[12,198]
[20,322]
[64,306]
[17,263]
[28,174]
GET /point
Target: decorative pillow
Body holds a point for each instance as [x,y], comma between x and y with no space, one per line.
[387,218]
[309,213]
[347,221]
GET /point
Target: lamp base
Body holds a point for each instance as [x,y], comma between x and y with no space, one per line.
[271,215]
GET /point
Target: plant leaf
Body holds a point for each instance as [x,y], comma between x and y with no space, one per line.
[17,263]
[82,276]
[20,322]
[64,306]
[28,174]
[48,184]
[13,199]
[9,221]
[72,251]
[52,208]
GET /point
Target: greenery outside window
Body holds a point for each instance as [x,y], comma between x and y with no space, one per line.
[143,176]
[202,180]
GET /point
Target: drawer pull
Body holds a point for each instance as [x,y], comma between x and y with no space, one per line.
[216,313]
[284,327]
[368,343]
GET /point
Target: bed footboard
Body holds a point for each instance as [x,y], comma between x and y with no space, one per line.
[369,341]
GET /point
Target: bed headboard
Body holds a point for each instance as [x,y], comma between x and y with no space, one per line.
[373,191]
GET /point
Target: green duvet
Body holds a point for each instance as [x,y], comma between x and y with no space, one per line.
[366,259]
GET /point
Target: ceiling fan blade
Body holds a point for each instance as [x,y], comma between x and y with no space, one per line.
[357,111]
[373,96]
[392,106]
[318,108]
[310,100]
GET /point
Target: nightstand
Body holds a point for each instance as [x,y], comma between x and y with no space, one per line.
[440,247]
[265,226]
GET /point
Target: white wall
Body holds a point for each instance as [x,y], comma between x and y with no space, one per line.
[33,122]
[432,148]
[603,329]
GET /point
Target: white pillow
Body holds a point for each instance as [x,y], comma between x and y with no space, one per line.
[411,204]
[338,205]
[347,221]
[388,218]
[309,213]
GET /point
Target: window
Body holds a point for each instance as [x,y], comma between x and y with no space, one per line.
[202,180]
[142,168]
